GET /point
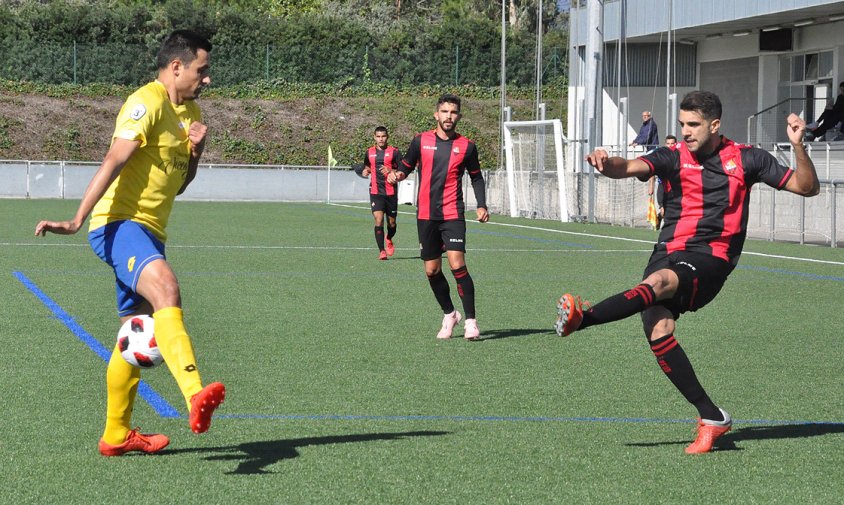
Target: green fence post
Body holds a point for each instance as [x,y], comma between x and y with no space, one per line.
[456,64]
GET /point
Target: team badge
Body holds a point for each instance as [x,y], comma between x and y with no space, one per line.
[730,166]
[131,264]
[138,112]
[457,150]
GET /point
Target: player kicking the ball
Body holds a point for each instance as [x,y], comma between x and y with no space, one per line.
[154,154]
[707,189]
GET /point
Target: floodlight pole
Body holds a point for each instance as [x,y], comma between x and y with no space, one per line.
[538,57]
[594,89]
[668,118]
[502,99]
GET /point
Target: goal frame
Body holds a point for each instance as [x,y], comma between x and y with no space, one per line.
[559,140]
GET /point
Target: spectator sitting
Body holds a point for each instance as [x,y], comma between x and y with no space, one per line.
[830,117]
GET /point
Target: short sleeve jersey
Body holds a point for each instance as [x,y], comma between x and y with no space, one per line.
[706,201]
[375,159]
[146,187]
[442,164]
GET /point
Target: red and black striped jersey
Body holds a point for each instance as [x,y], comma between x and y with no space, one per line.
[442,163]
[375,159]
[706,201]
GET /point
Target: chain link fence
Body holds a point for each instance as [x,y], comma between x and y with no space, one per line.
[128,64]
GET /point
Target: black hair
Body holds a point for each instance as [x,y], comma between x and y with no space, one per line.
[381,129]
[705,103]
[183,45]
[449,98]
[670,137]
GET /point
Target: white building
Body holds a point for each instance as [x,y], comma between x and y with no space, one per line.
[763,58]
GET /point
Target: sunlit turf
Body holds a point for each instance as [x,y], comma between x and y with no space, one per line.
[338,391]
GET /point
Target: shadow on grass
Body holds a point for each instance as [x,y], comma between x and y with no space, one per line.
[253,457]
[728,441]
[513,332]
[400,258]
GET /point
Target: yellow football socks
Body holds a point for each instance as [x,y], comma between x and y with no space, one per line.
[122,385]
[175,346]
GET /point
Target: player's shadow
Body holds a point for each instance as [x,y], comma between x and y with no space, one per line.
[254,457]
[400,258]
[769,432]
[513,332]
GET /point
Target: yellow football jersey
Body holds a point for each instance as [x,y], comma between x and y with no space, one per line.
[147,185]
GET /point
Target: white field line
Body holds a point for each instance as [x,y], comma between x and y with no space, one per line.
[594,235]
[491,223]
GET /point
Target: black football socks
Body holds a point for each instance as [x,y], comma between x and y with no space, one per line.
[620,306]
[466,290]
[379,237]
[677,367]
[439,285]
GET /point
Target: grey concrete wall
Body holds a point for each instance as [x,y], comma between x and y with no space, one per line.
[36,179]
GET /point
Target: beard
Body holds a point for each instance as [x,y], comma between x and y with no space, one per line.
[445,128]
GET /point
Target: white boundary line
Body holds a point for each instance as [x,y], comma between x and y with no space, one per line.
[595,235]
[335,248]
[509,225]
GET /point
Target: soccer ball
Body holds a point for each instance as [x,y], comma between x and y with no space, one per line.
[136,340]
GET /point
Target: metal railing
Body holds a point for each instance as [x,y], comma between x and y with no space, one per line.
[767,127]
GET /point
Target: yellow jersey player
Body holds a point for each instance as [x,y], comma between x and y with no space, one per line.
[158,140]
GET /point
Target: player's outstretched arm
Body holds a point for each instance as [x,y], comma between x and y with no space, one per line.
[117,156]
[805,179]
[616,167]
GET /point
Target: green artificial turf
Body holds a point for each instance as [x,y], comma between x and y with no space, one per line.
[338,391]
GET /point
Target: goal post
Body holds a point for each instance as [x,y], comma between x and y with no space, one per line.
[536,176]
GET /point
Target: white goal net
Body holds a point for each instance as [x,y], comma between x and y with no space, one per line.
[537,180]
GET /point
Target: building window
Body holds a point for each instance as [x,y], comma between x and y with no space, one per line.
[806,68]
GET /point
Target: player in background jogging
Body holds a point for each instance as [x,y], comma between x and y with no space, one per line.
[707,181]
[378,162]
[443,156]
[155,149]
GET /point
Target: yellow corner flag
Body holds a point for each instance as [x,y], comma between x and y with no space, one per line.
[331,161]
[652,217]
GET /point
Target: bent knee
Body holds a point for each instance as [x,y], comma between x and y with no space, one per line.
[657,322]
[664,282]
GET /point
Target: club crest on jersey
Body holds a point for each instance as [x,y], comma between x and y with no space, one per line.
[730,166]
[138,112]
[456,150]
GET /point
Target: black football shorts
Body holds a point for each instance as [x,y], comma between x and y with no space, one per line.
[436,236]
[701,278]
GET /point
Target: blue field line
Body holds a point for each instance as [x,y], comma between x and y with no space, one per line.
[475,231]
[541,419]
[159,404]
[792,272]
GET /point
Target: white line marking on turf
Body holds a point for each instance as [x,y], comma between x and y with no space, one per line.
[509,225]
[337,248]
[609,237]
